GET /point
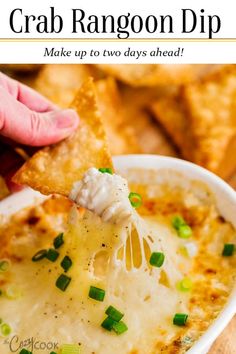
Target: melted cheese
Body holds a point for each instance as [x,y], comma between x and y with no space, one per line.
[101,255]
[148,301]
[104,194]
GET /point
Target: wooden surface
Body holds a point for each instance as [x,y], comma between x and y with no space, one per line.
[226,343]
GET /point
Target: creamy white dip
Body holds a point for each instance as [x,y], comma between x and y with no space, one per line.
[106,195]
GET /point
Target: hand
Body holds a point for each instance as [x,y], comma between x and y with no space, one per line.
[28,118]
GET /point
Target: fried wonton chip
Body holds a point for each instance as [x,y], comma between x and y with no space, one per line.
[128,130]
[129,126]
[171,113]
[54,169]
[4,191]
[121,135]
[154,74]
[212,111]
[201,120]
[150,135]
[60,82]
[227,166]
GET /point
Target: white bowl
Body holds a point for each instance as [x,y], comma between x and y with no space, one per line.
[225,200]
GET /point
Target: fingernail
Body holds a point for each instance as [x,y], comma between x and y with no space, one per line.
[66,119]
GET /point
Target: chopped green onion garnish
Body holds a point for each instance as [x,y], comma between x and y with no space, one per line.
[185,284]
[53,353]
[96,293]
[5,329]
[114,314]
[119,327]
[228,249]
[13,292]
[180,319]
[62,282]
[70,349]
[25,351]
[185,231]
[58,241]
[178,221]
[52,255]
[39,255]
[135,199]
[66,263]
[108,323]
[4,265]
[105,170]
[157,259]
[182,228]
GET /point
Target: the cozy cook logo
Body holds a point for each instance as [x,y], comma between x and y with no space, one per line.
[33,344]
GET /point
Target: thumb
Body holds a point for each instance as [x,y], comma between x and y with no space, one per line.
[20,124]
[49,128]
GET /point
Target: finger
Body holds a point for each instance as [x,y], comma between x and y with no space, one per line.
[19,123]
[24,94]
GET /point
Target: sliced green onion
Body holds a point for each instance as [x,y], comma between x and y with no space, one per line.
[66,263]
[114,314]
[178,221]
[4,265]
[108,323]
[58,241]
[13,292]
[105,170]
[96,293]
[53,353]
[135,199]
[228,249]
[70,349]
[180,319]
[182,228]
[52,255]
[185,231]
[119,327]
[39,255]
[25,351]
[62,282]
[185,284]
[157,259]
[5,329]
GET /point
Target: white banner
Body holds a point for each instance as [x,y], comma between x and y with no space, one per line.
[118,52]
[183,31]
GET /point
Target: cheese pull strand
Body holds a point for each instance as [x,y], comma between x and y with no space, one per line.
[105,194]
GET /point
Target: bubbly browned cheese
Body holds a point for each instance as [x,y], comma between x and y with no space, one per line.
[37,225]
[213,276]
